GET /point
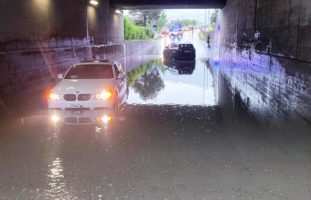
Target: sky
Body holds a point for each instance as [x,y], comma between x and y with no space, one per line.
[197,14]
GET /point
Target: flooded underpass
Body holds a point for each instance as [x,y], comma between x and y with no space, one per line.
[182,134]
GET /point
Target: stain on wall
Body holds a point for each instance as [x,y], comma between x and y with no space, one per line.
[280,28]
[265,56]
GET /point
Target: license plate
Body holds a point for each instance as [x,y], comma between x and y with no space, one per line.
[75,106]
[187,51]
[76,112]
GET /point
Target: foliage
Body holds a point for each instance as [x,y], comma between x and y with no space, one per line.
[183,22]
[188,22]
[146,79]
[214,16]
[162,21]
[214,19]
[146,15]
[133,32]
[202,35]
[133,75]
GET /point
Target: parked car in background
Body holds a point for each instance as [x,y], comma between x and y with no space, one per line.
[181,51]
[176,33]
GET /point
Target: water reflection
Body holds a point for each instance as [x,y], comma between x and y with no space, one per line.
[172,82]
[146,80]
[99,121]
[56,184]
[181,67]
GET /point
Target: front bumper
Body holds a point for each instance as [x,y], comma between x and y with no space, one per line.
[91,105]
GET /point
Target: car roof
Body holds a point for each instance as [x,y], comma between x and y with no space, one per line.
[184,43]
[95,62]
[180,43]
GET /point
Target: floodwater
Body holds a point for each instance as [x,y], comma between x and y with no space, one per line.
[181,135]
[176,83]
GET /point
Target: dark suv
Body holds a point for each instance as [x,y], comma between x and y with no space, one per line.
[181,51]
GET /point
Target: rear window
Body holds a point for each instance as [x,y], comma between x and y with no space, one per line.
[186,46]
[90,71]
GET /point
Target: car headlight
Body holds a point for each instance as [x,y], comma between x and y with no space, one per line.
[104,95]
[55,118]
[106,119]
[54,96]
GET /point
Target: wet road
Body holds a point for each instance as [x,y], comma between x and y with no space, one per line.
[173,140]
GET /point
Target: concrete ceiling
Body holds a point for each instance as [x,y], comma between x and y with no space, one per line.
[166,4]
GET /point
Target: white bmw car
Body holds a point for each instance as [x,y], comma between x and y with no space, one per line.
[90,86]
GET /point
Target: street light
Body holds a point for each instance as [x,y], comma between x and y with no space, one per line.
[117,11]
[94,2]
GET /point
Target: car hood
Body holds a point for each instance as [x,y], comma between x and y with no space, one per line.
[66,86]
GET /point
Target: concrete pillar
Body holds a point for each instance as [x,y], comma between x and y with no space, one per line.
[59,22]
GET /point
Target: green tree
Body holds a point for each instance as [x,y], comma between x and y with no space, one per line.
[133,32]
[188,22]
[214,16]
[184,22]
[162,21]
[146,15]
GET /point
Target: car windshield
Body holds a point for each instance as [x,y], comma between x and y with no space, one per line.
[90,71]
[186,46]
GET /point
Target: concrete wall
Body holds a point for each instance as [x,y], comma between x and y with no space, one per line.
[278,27]
[59,23]
[265,55]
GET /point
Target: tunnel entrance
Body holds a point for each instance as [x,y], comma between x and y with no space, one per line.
[174,100]
[163,78]
[162,4]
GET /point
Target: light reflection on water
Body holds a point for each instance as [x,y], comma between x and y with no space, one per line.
[172,83]
[57,187]
[55,179]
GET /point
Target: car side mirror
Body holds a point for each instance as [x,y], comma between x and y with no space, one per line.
[60,76]
[120,76]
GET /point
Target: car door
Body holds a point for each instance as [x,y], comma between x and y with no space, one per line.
[121,81]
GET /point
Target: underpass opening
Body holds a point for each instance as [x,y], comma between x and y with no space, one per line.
[163,4]
[232,124]
[181,81]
